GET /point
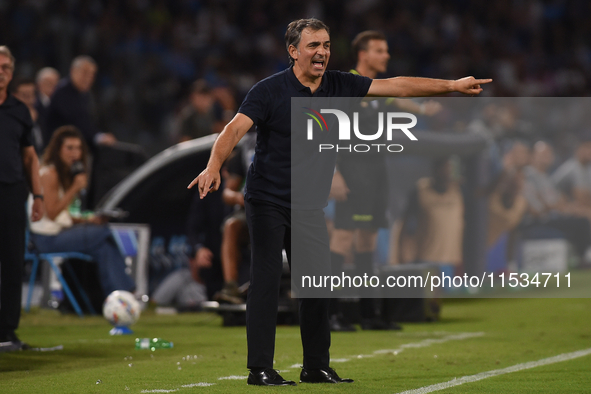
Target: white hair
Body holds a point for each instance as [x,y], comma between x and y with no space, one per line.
[46,72]
[80,60]
[4,50]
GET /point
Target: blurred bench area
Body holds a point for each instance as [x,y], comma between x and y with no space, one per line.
[110,165]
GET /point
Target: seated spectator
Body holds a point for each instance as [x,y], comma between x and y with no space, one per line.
[186,288]
[24,90]
[517,157]
[541,194]
[70,104]
[547,205]
[506,206]
[216,237]
[182,289]
[64,178]
[206,217]
[235,235]
[573,177]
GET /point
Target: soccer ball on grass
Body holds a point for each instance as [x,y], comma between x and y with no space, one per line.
[121,308]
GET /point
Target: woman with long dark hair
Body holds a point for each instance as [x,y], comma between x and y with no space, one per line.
[64,178]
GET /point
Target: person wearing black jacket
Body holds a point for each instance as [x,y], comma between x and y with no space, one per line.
[18,163]
[70,104]
[46,81]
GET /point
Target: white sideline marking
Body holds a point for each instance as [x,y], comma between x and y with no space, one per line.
[497,372]
[339,360]
[232,377]
[412,345]
[429,342]
[200,384]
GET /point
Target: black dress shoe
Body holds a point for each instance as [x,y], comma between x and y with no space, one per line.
[268,377]
[10,346]
[324,375]
[10,342]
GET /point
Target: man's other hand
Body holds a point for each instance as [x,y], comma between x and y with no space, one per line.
[207,181]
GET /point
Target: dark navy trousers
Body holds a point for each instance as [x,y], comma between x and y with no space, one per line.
[273,227]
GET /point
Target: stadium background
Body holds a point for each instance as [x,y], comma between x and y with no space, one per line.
[149,52]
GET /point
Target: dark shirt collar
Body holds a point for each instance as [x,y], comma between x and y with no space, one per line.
[66,83]
[298,85]
[70,85]
[10,101]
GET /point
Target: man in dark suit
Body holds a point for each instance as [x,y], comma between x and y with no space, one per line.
[70,104]
[46,80]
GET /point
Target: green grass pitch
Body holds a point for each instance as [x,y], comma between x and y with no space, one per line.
[473,336]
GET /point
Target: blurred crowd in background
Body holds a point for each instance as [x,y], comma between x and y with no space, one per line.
[155,73]
[149,53]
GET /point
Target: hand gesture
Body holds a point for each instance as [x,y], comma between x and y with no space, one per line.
[469,85]
[207,181]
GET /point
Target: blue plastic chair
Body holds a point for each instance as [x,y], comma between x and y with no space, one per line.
[31,255]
